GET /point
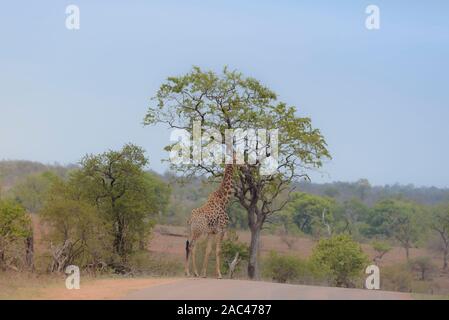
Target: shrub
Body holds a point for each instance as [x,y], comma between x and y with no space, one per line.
[426,287]
[15,228]
[283,268]
[230,247]
[77,234]
[396,278]
[424,266]
[340,258]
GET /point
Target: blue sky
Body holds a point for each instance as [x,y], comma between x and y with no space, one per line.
[380,97]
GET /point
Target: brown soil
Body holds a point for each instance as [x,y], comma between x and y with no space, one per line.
[109,289]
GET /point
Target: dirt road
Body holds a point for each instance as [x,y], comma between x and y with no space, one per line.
[214,289]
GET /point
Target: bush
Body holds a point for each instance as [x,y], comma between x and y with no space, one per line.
[229,248]
[426,287]
[400,277]
[15,228]
[396,278]
[77,233]
[340,258]
[424,266]
[283,268]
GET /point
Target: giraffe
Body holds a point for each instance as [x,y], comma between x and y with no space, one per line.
[211,220]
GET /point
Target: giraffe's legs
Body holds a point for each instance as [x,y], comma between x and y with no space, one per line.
[195,269]
[218,240]
[206,255]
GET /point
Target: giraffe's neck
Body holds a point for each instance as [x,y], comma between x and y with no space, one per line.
[225,189]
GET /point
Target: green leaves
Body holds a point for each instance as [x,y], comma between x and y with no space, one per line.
[230,247]
[341,258]
[31,191]
[230,101]
[15,223]
[110,198]
[283,268]
[15,228]
[311,213]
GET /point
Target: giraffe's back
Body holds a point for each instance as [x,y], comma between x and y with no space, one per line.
[208,219]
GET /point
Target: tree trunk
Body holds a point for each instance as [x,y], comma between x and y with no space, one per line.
[30,252]
[407,252]
[445,254]
[253,263]
[2,259]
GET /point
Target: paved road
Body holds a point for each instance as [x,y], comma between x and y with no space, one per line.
[214,289]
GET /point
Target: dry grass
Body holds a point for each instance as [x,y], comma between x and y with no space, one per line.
[24,286]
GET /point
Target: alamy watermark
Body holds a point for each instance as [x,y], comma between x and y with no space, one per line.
[206,147]
[372,282]
[372,22]
[73,279]
[72,20]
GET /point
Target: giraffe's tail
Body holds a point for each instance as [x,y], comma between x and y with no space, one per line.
[187,249]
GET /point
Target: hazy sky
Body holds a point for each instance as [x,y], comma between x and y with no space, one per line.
[381,98]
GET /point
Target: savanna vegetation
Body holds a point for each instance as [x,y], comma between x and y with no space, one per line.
[100,213]
[75,207]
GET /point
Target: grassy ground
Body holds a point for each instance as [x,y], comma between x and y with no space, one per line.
[418,296]
[15,285]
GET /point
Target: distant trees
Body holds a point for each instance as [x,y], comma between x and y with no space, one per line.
[423,265]
[440,224]
[312,214]
[13,172]
[399,219]
[324,216]
[343,191]
[381,248]
[350,217]
[363,186]
[31,191]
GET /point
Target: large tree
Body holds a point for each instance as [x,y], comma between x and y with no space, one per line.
[231,101]
[116,183]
